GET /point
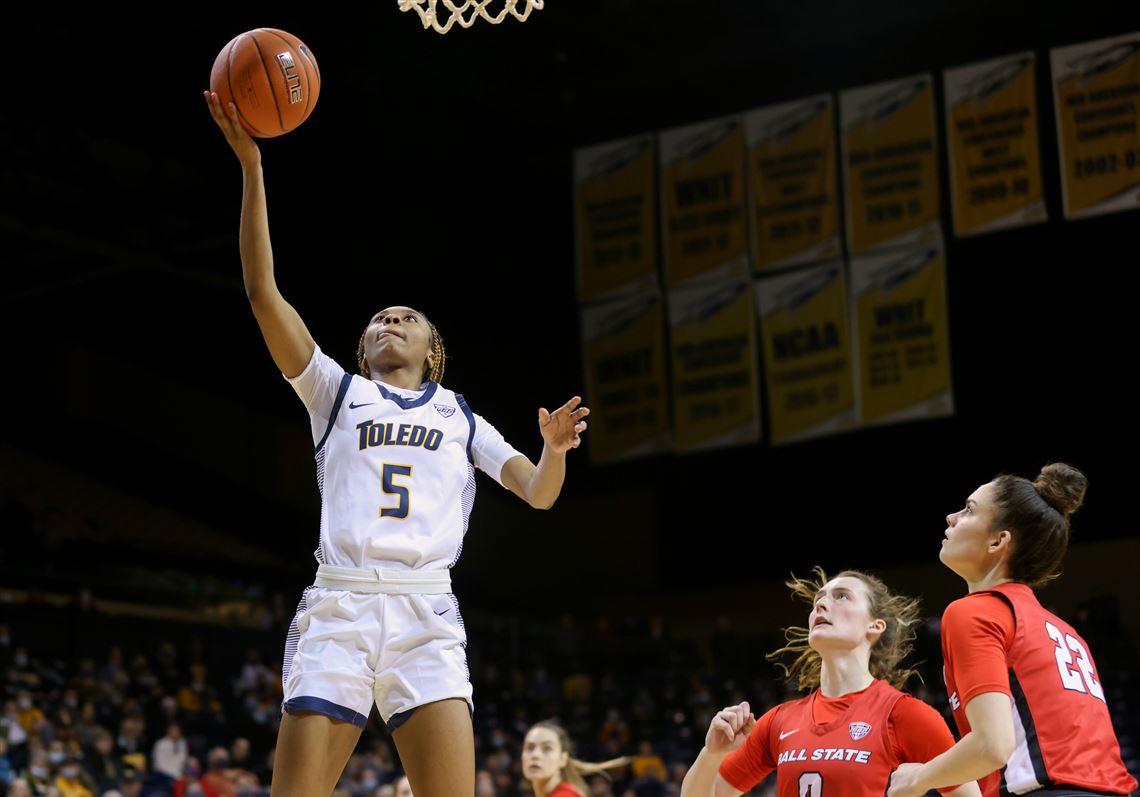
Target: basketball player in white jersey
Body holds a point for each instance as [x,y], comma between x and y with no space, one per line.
[396,453]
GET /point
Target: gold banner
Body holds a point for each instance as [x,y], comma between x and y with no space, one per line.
[890,164]
[793,203]
[703,201]
[1097,98]
[991,132]
[615,218]
[902,335]
[623,343]
[807,352]
[713,347]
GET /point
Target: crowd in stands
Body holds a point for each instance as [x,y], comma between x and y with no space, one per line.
[173,709]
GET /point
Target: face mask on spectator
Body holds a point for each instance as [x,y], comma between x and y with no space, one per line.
[71,773]
[24,702]
[56,756]
[20,660]
[38,771]
[369,783]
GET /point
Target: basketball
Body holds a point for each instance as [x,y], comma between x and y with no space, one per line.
[272,78]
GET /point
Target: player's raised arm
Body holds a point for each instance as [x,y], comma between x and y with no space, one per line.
[289,341]
[539,485]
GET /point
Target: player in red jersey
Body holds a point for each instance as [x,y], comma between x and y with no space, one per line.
[1022,683]
[550,767]
[854,728]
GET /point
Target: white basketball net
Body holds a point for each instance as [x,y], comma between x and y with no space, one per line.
[465,12]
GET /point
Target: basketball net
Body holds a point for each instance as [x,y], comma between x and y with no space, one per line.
[465,12]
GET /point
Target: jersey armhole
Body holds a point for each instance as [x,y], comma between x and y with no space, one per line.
[462,402]
[345,381]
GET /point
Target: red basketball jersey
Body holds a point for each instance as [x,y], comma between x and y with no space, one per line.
[1063,730]
[849,756]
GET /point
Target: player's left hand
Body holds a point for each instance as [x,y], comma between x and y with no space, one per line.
[562,429]
[903,781]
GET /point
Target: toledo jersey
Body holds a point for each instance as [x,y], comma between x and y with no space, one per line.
[1061,721]
[395,468]
[849,756]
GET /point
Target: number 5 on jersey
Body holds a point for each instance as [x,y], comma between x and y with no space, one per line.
[391,487]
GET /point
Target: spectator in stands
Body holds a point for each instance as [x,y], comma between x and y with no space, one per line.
[38,773]
[7,772]
[238,770]
[198,698]
[19,788]
[216,778]
[169,755]
[648,771]
[72,781]
[484,784]
[101,762]
[30,717]
[131,782]
[190,785]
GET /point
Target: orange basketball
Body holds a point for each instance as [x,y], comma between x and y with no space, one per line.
[272,78]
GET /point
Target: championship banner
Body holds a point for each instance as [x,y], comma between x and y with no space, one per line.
[793,204]
[901,335]
[991,133]
[807,352]
[615,218]
[713,347]
[703,202]
[623,345]
[890,164]
[1096,89]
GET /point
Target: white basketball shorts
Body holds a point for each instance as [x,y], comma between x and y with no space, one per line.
[348,650]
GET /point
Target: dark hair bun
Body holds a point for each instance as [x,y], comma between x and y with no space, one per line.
[1062,486]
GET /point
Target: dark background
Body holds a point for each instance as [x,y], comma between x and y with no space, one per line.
[146,417]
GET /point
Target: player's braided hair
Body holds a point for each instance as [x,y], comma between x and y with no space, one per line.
[433,369]
[899,612]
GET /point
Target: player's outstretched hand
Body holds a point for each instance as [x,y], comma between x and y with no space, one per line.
[729,729]
[227,120]
[562,429]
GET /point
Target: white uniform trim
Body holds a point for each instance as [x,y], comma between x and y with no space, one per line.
[383,580]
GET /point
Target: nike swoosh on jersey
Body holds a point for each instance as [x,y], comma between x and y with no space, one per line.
[784,735]
[353,406]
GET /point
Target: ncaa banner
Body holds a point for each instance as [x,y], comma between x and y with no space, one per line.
[615,218]
[991,133]
[890,164]
[623,344]
[1096,89]
[713,349]
[703,201]
[793,202]
[901,335]
[807,352]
